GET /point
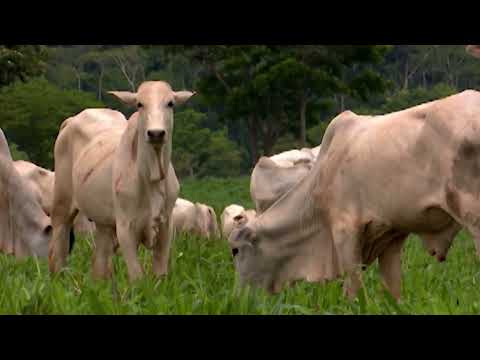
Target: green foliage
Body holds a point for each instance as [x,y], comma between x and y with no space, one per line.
[17,154]
[404,99]
[199,151]
[316,133]
[202,281]
[31,114]
[20,62]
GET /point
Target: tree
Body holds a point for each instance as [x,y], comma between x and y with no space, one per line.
[266,86]
[16,153]
[201,152]
[20,62]
[31,114]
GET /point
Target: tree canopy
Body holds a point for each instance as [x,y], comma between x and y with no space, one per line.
[253,100]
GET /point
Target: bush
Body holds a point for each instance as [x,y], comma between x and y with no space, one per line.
[199,151]
[17,154]
[31,114]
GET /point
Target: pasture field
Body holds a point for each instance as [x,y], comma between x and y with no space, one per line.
[202,280]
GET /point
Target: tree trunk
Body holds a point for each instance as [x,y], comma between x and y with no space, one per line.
[253,139]
[79,80]
[405,83]
[269,139]
[303,121]
[100,84]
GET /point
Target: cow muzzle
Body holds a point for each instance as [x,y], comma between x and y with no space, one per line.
[156,137]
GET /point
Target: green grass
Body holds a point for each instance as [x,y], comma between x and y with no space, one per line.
[202,280]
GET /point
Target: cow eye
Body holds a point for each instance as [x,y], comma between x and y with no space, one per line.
[139,105]
[171,104]
[235,252]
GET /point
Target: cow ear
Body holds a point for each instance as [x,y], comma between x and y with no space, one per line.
[474,50]
[126,97]
[240,220]
[181,97]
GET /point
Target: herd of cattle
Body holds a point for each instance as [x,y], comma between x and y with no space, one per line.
[320,214]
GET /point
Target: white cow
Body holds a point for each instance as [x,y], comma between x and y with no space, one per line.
[198,219]
[42,181]
[120,175]
[25,229]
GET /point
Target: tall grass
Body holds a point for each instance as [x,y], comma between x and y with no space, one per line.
[202,280]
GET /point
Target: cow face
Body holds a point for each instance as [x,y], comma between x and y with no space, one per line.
[254,263]
[39,232]
[155,101]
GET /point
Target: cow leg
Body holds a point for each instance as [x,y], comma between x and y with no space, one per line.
[346,239]
[161,250]
[128,241]
[464,208]
[102,253]
[391,267]
[59,246]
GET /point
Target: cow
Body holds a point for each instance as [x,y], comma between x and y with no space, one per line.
[234,216]
[41,181]
[119,174]
[376,180]
[25,229]
[198,219]
[269,181]
[474,50]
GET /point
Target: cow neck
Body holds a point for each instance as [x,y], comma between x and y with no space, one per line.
[296,226]
[152,164]
[152,168]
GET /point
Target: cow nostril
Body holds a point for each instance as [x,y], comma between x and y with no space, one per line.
[156,134]
[235,252]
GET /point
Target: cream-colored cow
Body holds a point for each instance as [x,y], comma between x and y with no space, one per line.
[376,180]
[42,181]
[198,219]
[25,229]
[120,175]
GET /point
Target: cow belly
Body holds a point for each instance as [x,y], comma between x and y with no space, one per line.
[93,188]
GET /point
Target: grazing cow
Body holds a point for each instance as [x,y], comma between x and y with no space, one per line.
[198,219]
[269,181]
[474,50]
[42,181]
[234,216]
[376,180]
[122,179]
[25,229]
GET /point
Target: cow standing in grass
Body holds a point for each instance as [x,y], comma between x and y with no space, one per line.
[198,219]
[122,179]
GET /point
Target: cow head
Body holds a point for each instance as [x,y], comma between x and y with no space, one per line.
[155,101]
